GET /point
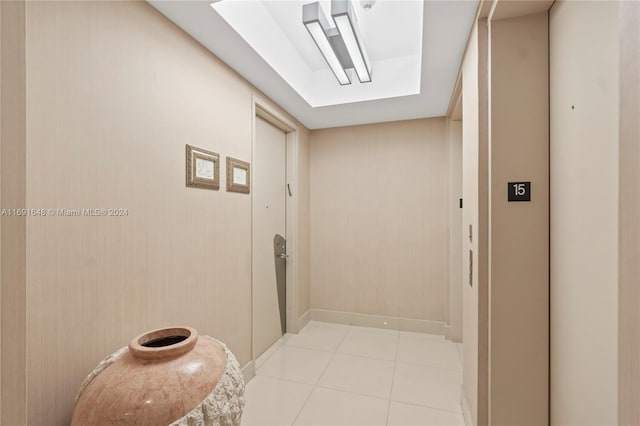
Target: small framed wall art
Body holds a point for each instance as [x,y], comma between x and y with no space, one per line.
[238,175]
[203,168]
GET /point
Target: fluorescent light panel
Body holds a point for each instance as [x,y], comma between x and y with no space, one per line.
[312,18]
[352,41]
[348,34]
[319,36]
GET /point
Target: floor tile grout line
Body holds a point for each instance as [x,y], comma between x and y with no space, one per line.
[425,339]
[281,346]
[332,357]
[370,358]
[427,406]
[393,375]
[319,377]
[444,346]
[297,382]
[358,394]
[431,407]
[312,349]
[397,335]
[364,356]
[415,364]
[450,346]
[319,324]
[381,398]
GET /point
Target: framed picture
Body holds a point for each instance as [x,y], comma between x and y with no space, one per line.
[238,175]
[203,168]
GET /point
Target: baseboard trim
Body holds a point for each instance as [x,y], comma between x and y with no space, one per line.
[466,412]
[379,321]
[304,320]
[248,371]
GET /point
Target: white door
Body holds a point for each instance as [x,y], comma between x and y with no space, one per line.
[269,185]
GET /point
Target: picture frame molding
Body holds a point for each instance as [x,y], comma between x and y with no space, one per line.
[192,180]
[236,187]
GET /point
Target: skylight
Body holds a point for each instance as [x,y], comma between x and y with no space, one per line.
[391,32]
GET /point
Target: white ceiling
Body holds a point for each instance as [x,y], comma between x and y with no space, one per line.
[390,32]
[275,31]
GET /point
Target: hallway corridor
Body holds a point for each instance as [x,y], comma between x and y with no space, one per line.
[334,374]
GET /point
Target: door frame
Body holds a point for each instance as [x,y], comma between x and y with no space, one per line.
[262,109]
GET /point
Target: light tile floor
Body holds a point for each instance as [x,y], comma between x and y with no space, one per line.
[334,374]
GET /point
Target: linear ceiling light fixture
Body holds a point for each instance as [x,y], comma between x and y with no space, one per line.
[318,26]
[341,45]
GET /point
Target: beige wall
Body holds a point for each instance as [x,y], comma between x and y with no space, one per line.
[519,231]
[304,224]
[12,228]
[114,92]
[629,216]
[584,212]
[379,219]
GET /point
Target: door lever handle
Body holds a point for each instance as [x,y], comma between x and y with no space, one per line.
[284,256]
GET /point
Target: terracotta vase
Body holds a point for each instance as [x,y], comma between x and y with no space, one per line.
[169,376]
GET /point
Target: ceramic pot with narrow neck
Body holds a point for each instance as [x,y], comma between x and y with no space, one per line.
[170,376]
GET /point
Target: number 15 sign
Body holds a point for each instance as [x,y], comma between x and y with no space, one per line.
[519,191]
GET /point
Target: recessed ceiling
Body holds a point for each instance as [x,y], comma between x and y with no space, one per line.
[415,49]
[274,29]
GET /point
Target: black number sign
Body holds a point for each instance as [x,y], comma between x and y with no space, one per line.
[519,191]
